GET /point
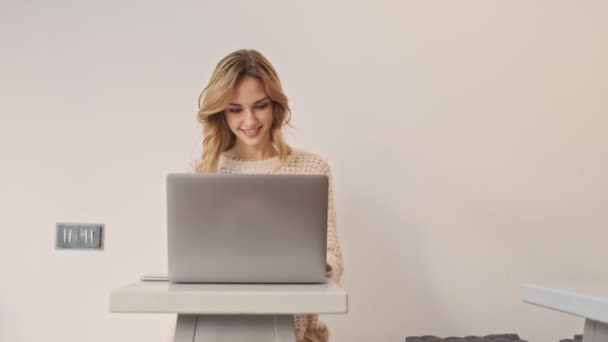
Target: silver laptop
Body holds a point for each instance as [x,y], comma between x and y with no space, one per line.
[246,228]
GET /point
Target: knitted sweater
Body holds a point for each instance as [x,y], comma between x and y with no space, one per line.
[302,163]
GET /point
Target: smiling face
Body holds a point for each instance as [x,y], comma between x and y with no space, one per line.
[249,114]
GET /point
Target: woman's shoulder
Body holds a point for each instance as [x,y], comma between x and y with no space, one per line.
[303,160]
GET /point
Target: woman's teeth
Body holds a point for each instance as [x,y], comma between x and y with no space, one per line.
[251,132]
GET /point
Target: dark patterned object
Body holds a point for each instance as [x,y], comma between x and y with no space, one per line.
[488,338]
[577,338]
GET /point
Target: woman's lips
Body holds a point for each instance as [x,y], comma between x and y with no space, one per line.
[251,132]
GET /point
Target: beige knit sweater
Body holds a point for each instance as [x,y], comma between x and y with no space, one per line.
[308,327]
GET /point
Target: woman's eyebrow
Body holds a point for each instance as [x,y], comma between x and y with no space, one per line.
[256,102]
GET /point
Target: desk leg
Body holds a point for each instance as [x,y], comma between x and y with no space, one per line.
[234,328]
[595,331]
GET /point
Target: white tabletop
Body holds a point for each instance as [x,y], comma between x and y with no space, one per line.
[165,297]
[585,300]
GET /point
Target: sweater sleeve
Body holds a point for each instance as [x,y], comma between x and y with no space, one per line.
[334,250]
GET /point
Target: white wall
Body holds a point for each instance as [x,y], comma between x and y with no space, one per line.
[467,140]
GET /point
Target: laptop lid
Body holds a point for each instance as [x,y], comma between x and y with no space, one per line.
[247,228]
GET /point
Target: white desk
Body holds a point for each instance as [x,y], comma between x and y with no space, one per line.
[230,312]
[587,301]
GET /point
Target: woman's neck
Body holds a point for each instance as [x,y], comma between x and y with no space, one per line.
[248,152]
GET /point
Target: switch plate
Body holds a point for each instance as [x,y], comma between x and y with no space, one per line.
[79,236]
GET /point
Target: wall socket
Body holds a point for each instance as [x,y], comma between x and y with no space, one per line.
[79,236]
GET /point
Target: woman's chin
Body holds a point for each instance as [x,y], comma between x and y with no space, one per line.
[258,140]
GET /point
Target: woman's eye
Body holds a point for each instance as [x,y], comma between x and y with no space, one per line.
[238,110]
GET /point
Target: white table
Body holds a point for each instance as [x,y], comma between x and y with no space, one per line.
[230,312]
[587,301]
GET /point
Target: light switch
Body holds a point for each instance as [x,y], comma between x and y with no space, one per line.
[67,235]
[90,236]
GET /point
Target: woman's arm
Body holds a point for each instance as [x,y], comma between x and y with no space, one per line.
[334,250]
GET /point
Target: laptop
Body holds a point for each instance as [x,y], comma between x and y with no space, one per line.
[246,228]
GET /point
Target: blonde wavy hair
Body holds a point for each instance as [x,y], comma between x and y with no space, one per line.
[213,100]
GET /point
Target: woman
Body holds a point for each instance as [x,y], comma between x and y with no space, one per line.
[243,110]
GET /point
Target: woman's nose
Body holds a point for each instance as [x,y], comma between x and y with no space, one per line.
[250,116]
